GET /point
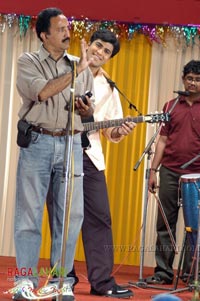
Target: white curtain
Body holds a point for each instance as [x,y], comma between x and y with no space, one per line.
[11,46]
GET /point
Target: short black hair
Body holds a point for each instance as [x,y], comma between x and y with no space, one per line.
[191,67]
[106,36]
[44,19]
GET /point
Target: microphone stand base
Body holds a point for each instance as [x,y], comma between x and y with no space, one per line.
[142,284]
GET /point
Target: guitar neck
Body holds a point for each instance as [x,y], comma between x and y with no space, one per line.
[91,126]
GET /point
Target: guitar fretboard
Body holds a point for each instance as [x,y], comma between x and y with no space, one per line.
[90,126]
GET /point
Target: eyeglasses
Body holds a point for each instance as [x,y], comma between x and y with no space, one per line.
[190,79]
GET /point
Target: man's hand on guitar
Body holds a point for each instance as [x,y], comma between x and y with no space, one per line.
[124,129]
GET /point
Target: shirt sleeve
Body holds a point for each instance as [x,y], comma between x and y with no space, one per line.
[30,78]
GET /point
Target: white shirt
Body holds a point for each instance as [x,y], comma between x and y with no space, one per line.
[107,107]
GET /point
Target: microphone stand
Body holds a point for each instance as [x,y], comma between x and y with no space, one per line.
[67,179]
[148,151]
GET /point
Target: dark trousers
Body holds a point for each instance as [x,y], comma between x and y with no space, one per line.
[168,194]
[96,228]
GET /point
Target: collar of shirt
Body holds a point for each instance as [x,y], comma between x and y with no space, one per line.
[182,99]
[44,54]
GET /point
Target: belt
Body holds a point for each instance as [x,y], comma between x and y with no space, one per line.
[52,133]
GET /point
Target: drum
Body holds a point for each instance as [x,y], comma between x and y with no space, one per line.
[190,193]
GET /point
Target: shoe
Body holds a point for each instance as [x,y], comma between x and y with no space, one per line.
[157,279]
[23,290]
[73,278]
[115,292]
[66,292]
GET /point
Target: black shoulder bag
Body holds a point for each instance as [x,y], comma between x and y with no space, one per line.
[24,133]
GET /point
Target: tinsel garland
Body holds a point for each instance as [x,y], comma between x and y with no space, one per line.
[81,28]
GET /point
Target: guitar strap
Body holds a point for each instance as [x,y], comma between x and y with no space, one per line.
[113,85]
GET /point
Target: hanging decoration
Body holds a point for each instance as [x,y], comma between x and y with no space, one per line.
[82,27]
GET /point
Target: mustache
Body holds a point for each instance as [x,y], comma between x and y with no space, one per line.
[66,39]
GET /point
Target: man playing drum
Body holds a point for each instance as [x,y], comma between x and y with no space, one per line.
[178,143]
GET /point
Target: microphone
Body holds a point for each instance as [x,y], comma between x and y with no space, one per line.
[183,93]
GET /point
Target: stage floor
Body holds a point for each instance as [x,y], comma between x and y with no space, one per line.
[123,274]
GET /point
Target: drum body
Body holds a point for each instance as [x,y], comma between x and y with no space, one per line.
[190,185]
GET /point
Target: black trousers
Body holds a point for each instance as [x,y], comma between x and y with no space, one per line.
[96,228]
[164,255]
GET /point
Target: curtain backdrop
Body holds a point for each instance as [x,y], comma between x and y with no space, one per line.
[147,73]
